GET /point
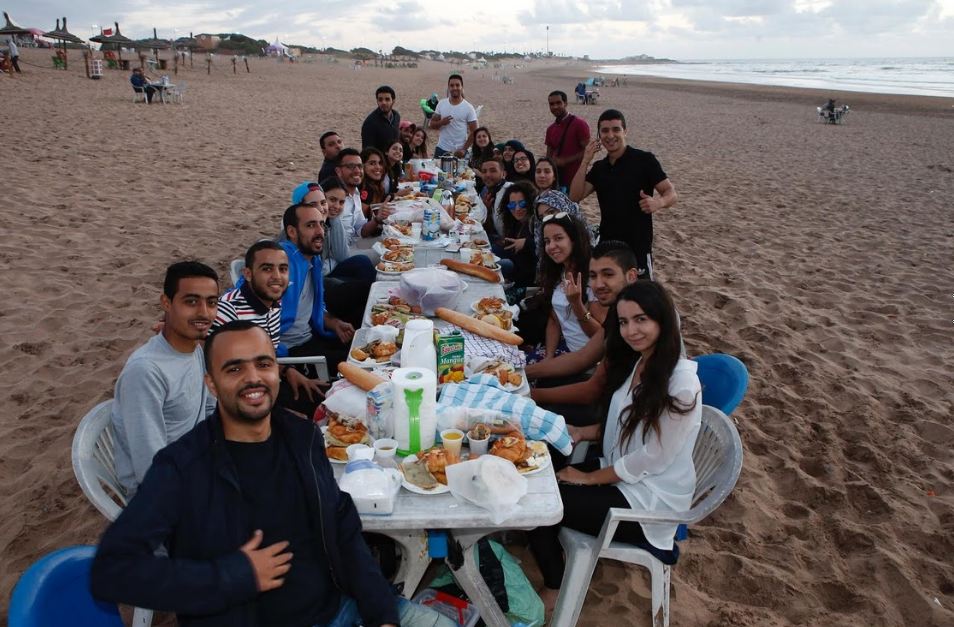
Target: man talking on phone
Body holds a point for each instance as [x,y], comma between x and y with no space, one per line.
[630,186]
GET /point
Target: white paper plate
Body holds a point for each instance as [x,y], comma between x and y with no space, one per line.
[410,487]
[324,431]
[360,339]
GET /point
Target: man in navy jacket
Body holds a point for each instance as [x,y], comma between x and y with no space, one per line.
[246,505]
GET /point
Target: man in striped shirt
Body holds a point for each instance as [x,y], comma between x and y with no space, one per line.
[258,299]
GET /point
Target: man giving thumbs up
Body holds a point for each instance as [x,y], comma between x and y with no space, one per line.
[630,186]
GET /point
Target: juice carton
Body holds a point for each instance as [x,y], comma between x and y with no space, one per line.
[450,358]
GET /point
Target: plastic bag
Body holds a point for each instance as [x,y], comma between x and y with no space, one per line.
[431,288]
[489,482]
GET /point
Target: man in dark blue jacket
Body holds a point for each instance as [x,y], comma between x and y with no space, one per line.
[246,505]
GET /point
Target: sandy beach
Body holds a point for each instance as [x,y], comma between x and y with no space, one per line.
[822,256]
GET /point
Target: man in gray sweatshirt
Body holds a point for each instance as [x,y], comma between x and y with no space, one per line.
[160,394]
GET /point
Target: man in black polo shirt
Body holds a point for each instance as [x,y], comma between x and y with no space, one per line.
[630,186]
[381,127]
[331,145]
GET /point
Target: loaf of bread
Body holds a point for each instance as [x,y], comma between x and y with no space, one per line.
[479,327]
[362,378]
[481,272]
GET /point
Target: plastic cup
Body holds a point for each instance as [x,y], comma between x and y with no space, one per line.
[416,230]
[452,439]
[359,451]
[385,448]
[477,447]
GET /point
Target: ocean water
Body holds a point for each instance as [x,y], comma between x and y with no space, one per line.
[916,76]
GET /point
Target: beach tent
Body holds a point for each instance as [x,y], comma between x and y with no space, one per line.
[277,49]
[63,36]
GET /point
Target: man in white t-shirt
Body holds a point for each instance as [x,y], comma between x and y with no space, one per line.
[456,119]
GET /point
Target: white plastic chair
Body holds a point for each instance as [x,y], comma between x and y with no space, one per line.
[175,93]
[94,465]
[139,95]
[717,457]
[235,270]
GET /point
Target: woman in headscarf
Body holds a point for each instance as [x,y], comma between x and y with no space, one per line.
[510,147]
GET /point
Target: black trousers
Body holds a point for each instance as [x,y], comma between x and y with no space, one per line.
[584,509]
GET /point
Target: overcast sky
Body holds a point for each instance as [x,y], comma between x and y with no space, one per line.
[680,29]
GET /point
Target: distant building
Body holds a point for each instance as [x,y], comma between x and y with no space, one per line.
[208,42]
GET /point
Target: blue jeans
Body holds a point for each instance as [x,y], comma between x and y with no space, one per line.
[410,615]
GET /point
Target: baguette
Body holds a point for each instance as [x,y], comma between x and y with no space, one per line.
[481,328]
[365,380]
[481,272]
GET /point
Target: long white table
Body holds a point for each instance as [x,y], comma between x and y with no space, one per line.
[381,290]
[415,513]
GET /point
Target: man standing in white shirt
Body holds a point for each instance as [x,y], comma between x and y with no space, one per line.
[456,119]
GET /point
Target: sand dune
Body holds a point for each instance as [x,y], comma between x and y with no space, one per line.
[821,256]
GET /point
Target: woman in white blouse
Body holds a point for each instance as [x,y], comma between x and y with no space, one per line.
[654,410]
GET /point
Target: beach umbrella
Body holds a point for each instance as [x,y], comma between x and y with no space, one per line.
[155,44]
[63,36]
[117,39]
[12,30]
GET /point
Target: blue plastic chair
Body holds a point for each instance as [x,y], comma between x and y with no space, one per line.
[724,381]
[55,591]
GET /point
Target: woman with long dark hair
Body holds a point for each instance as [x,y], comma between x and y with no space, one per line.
[524,164]
[418,145]
[574,313]
[517,246]
[393,166]
[372,186]
[652,401]
[545,176]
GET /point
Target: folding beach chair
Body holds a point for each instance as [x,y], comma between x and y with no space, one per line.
[717,457]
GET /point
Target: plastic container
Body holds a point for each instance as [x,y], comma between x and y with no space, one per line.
[466,614]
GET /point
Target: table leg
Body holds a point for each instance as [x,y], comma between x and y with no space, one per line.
[470,580]
[414,560]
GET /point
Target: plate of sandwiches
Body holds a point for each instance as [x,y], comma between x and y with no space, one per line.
[425,472]
[476,243]
[510,378]
[395,268]
[393,311]
[340,433]
[528,456]
[371,354]
[495,311]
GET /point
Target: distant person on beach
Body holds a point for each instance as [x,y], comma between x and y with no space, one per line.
[14,54]
[455,118]
[160,395]
[630,186]
[141,84]
[382,126]
[241,522]
[566,138]
[330,144]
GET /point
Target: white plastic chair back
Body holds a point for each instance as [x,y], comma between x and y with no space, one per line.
[94,461]
[478,111]
[235,270]
[94,466]
[717,457]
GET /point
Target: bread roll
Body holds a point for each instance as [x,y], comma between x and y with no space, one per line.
[365,380]
[472,269]
[474,325]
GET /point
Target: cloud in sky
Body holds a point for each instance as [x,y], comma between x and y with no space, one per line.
[600,28]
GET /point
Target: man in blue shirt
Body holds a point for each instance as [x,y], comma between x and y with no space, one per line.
[141,84]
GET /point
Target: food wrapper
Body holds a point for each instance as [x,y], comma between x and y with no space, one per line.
[346,399]
[488,482]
